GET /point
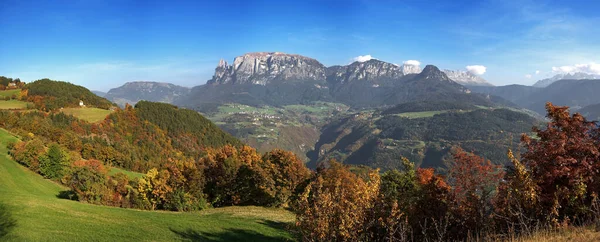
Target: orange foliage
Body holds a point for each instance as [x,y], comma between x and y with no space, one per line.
[95,165]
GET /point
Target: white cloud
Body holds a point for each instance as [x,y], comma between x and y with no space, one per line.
[591,68]
[476,69]
[412,63]
[362,58]
[537,72]
[528,76]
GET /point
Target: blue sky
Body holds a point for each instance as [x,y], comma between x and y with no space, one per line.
[102,44]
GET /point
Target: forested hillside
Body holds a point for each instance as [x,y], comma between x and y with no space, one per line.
[47,94]
[426,137]
[189,130]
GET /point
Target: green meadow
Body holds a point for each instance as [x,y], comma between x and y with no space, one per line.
[91,115]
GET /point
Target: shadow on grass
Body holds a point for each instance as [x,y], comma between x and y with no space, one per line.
[7,222]
[233,234]
[67,194]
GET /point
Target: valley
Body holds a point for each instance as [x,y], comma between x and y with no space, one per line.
[277,100]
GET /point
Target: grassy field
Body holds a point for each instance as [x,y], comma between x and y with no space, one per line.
[91,115]
[41,216]
[9,93]
[12,104]
[130,174]
[425,114]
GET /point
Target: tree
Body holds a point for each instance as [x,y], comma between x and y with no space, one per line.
[154,189]
[336,205]
[87,180]
[474,181]
[221,167]
[27,153]
[275,177]
[54,163]
[517,205]
[564,160]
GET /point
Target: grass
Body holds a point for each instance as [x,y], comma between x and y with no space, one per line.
[91,115]
[13,104]
[9,93]
[131,174]
[425,114]
[41,216]
[574,234]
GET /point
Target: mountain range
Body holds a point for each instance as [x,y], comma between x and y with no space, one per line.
[366,112]
[277,79]
[565,76]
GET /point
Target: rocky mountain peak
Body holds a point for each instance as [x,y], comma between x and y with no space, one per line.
[466,78]
[262,68]
[373,70]
[222,63]
[432,72]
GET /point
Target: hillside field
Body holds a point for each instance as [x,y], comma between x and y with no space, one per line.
[41,216]
[91,115]
[13,104]
[9,93]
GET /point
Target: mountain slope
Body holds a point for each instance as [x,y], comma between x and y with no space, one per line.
[514,93]
[99,93]
[573,93]
[184,125]
[379,139]
[133,92]
[41,216]
[568,76]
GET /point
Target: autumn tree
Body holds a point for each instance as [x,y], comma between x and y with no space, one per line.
[87,180]
[27,153]
[154,189]
[412,205]
[564,161]
[474,182]
[187,182]
[221,167]
[517,201]
[271,180]
[336,205]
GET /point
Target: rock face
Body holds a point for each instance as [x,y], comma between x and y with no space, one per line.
[373,71]
[466,78]
[262,68]
[132,92]
[277,79]
[569,76]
